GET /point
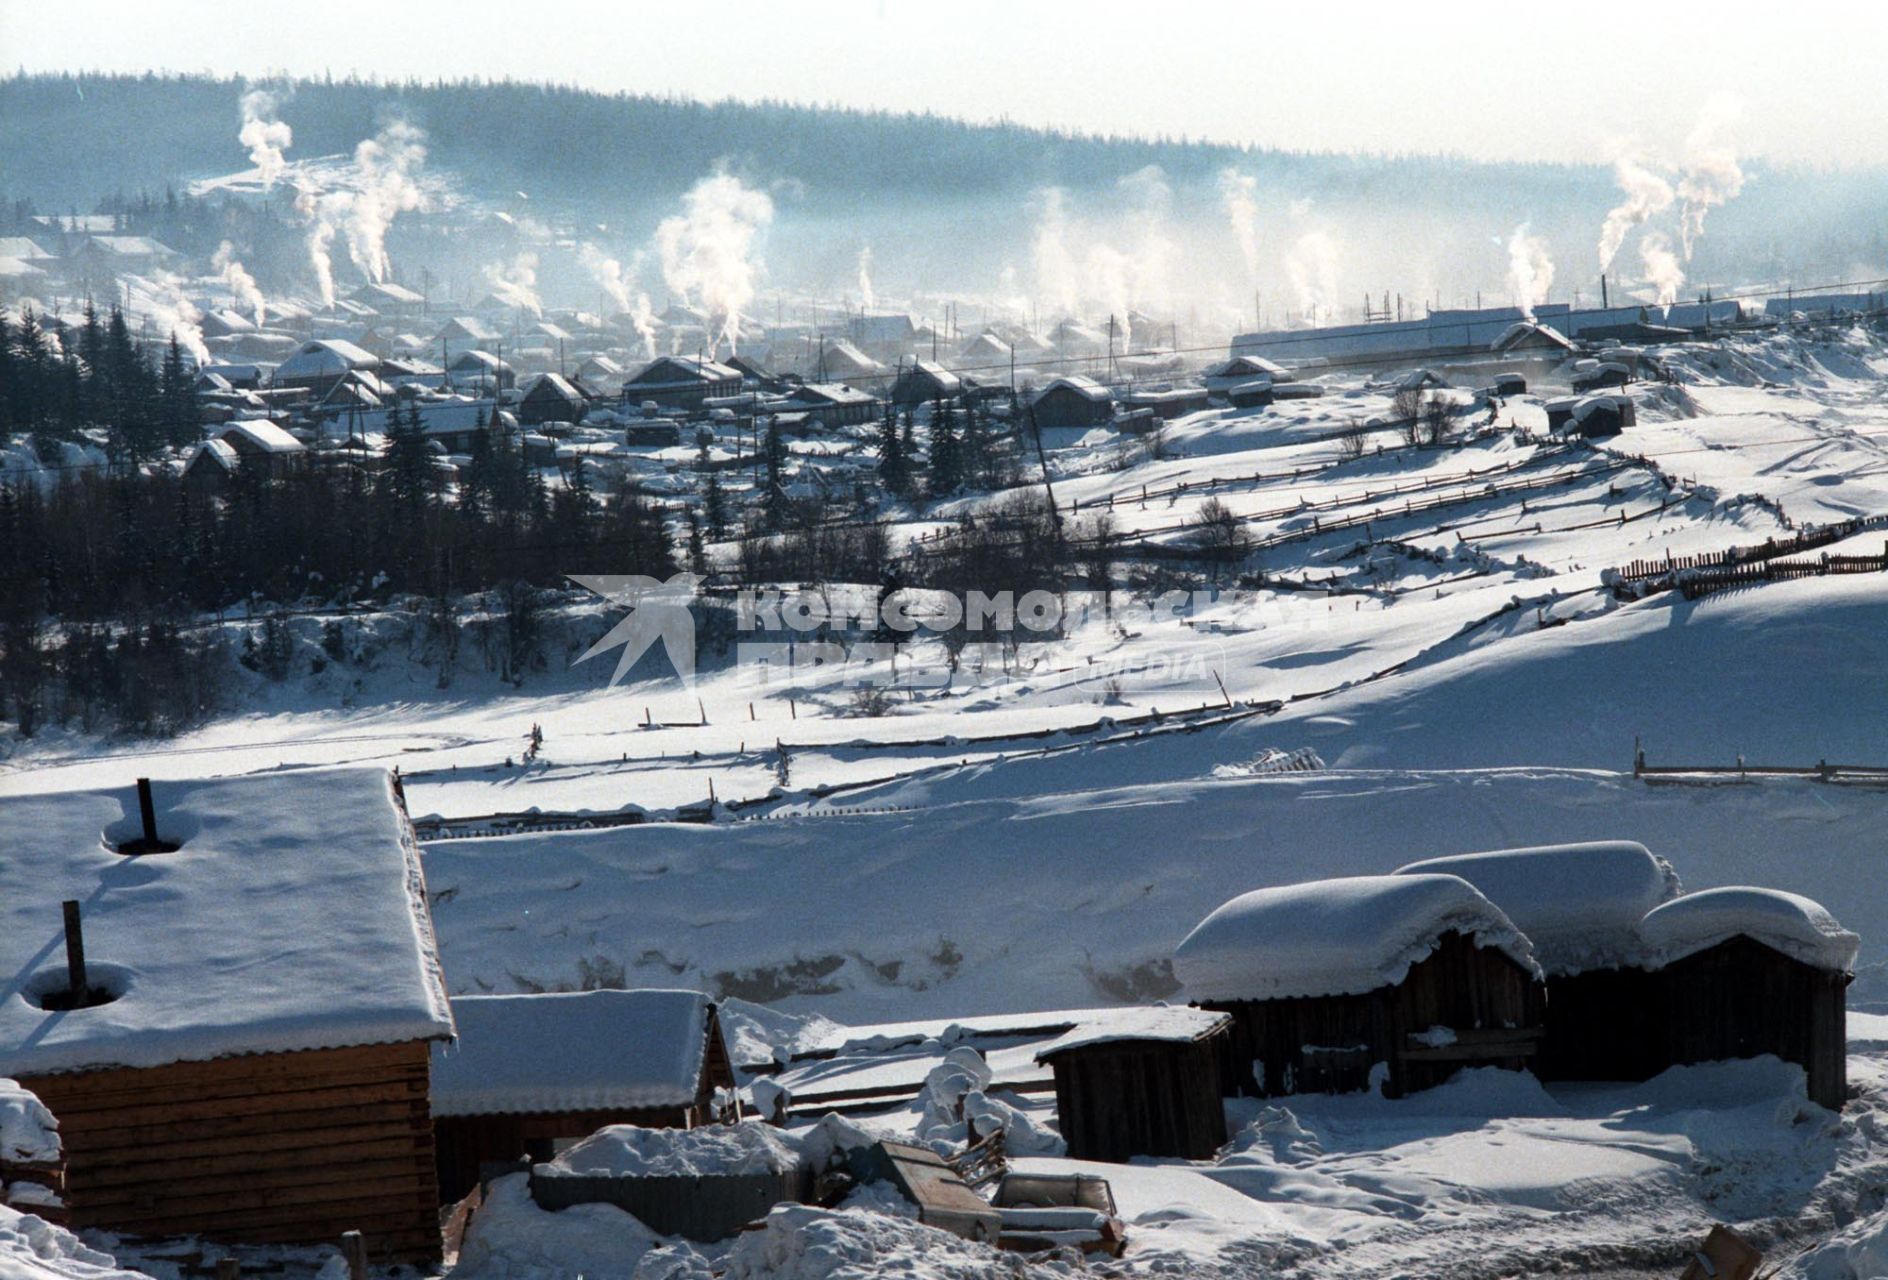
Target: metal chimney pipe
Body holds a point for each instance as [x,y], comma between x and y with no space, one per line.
[148,812]
[75,955]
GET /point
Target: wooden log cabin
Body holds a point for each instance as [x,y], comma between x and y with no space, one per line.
[1744,972]
[1336,986]
[532,1073]
[226,991]
[1141,1082]
[1580,906]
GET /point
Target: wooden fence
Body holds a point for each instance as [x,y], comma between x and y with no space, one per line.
[1716,569]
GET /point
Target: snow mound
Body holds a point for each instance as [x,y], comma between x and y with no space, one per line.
[28,1132]
[510,1238]
[798,1242]
[1787,922]
[627,1151]
[33,1249]
[1579,904]
[1336,937]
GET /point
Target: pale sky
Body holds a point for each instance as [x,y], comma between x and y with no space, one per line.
[1504,80]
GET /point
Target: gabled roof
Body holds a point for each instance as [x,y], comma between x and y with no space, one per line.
[580,1051]
[664,370]
[465,329]
[133,246]
[474,359]
[387,293]
[1527,333]
[292,916]
[263,434]
[213,453]
[325,358]
[821,393]
[947,381]
[77,222]
[552,384]
[24,249]
[1081,384]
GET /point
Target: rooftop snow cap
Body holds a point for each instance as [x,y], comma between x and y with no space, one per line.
[1798,927]
[577,1051]
[1579,904]
[1336,937]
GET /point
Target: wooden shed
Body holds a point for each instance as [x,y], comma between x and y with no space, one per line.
[532,1072]
[235,1036]
[1745,972]
[1329,979]
[1144,1083]
[1580,906]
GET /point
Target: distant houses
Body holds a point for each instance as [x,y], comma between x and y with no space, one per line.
[319,366]
[232,1017]
[924,381]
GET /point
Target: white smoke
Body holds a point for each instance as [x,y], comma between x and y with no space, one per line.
[516,284]
[387,164]
[265,136]
[1107,278]
[1237,194]
[1150,282]
[1711,173]
[1058,282]
[1661,266]
[1530,270]
[619,283]
[323,213]
[1646,194]
[173,314]
[711,251]
[241,284]
[868,298]
[1311,266]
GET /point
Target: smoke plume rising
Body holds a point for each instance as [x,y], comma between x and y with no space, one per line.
[387,165]
[1237,193]
[1711,173]
[711,250]
[1662,271]
[516,284]
[241,284]
[867,298]
[265,136]
[1646,194]
[1530,270]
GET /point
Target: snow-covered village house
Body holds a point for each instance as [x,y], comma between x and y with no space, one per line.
[681,382]
[1074,401]
[924,381]
[533,1073]
[227,991]
[550,397]
[323,364]
[1328,979]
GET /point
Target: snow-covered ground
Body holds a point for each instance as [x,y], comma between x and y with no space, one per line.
[1042,842]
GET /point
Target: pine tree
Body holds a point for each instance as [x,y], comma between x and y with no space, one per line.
[774,502]
[177,398]
[947,458]
[894,464]
[715,507]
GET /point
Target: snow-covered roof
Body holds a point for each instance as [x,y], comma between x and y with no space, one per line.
[387,292]
[325,358]
[263,434]
[23,248]
[1523,330]
[580,1051]
[554,384]
[1080,384]
[215,451]
[945,379]
[1797,926]
[1579,904]
[1176,1024]
[133,246]
[1335,937]
[669,370]
[469,328]
[836,393]
[28,1132]
[291,916]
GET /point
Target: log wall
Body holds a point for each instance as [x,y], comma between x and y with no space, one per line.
[286,1148]
[1123,1099]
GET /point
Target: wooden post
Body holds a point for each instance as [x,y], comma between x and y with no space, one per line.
[228,1269]
[354,1249]
[75,955]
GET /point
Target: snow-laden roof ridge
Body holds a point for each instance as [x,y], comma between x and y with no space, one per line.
[1337,937]
[1175,1024]
[1799,927]
[1579,903]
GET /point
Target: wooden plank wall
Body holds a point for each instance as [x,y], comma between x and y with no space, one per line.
[1460,986]
[1604,1024]
[263,1148]
[1116,1101]
[1741,998]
